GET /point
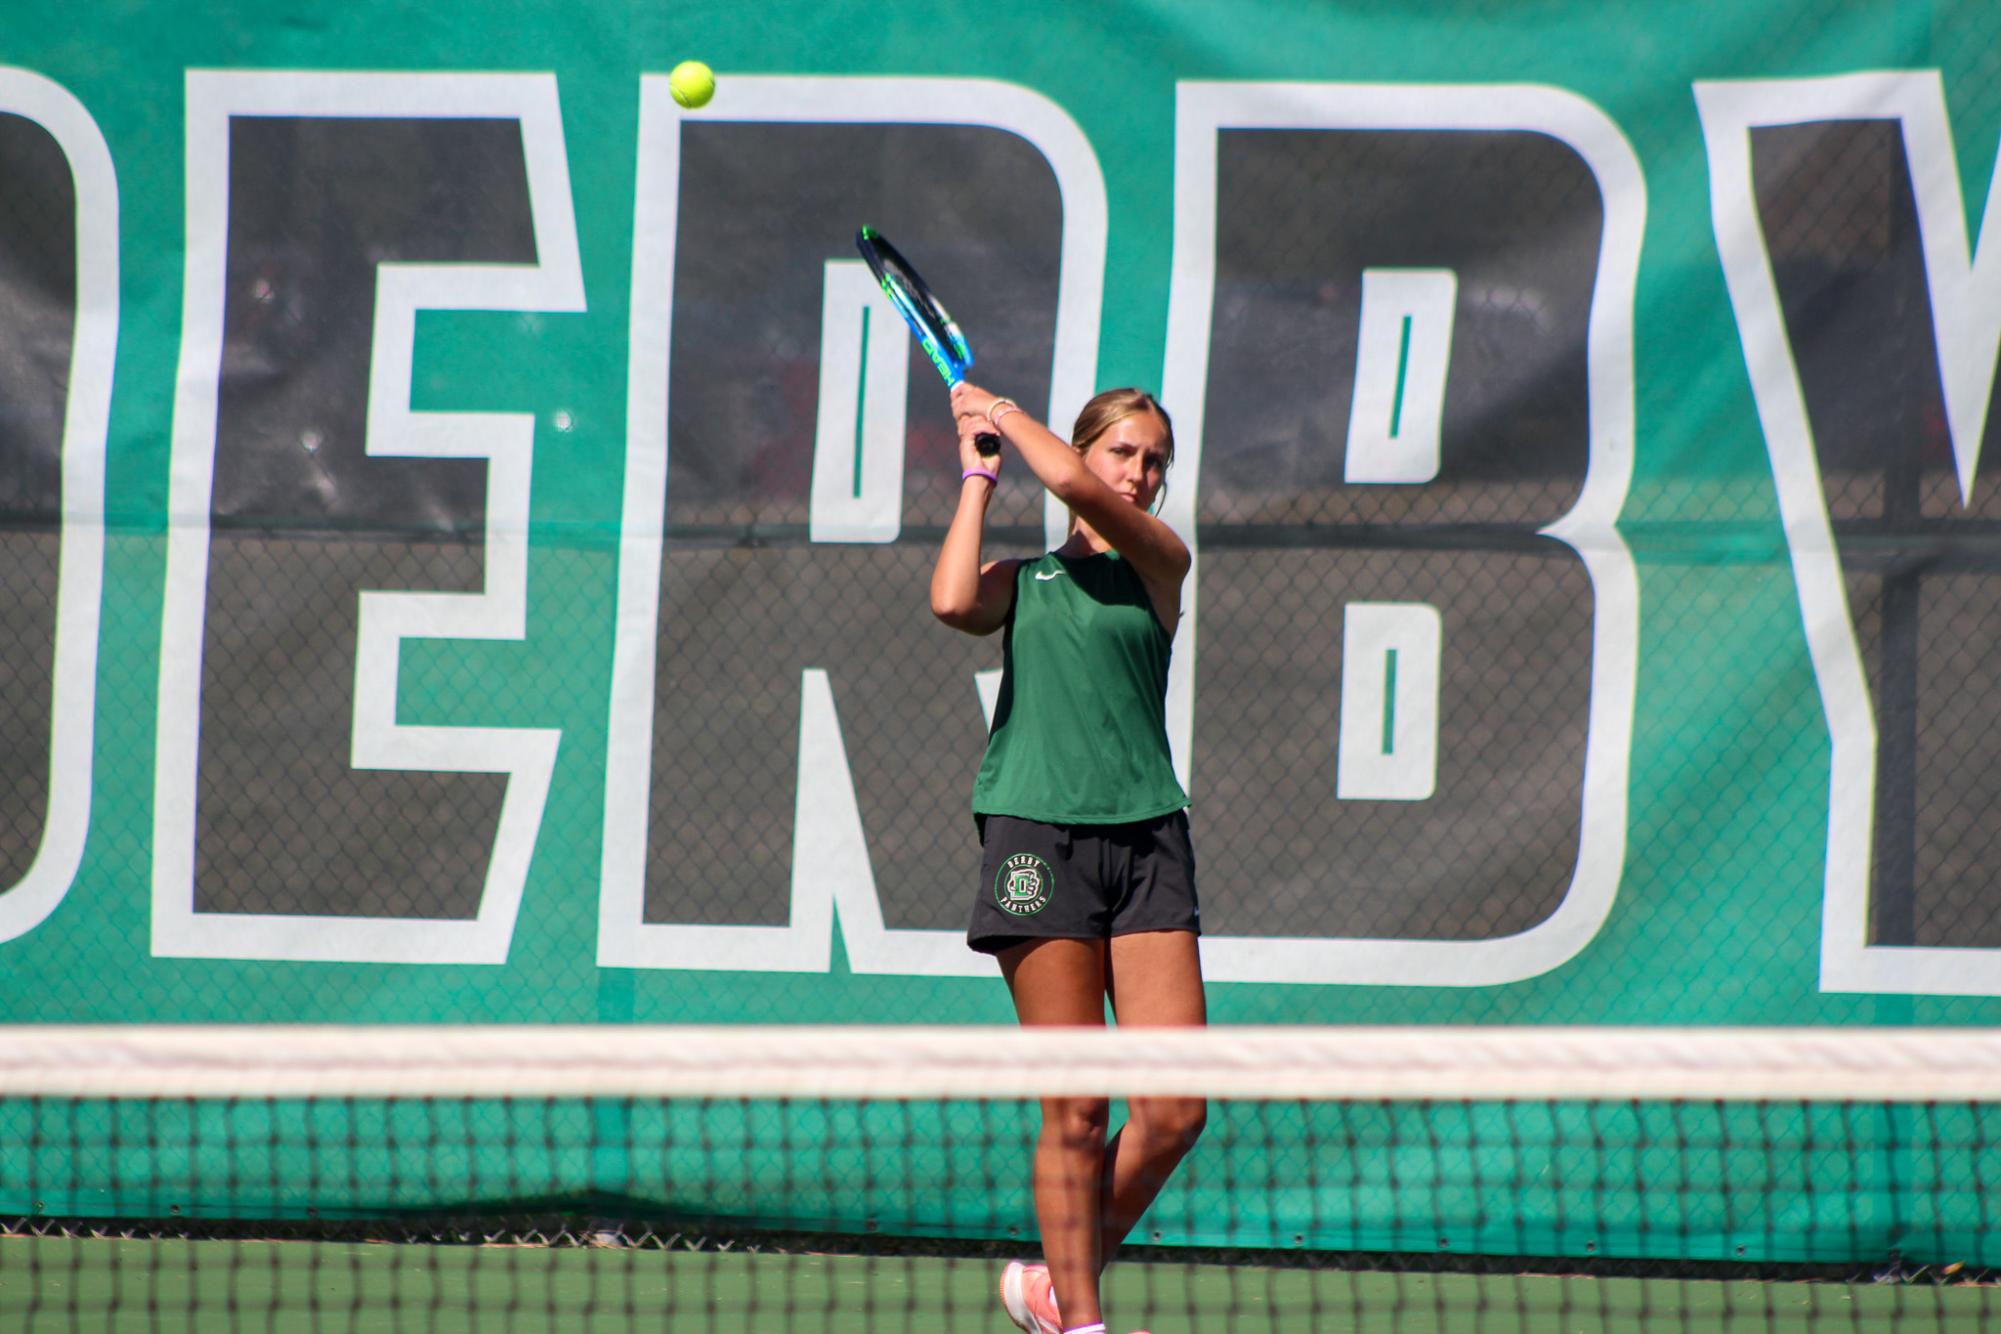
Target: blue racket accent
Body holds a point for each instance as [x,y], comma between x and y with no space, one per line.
[937,332]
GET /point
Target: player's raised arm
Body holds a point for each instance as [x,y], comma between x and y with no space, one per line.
[965,594]
[1110,481]
[1103,497]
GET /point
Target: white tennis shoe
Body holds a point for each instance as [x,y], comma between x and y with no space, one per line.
[1026,1297]
[1029,1300]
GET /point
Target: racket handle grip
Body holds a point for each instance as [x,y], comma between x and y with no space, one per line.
[988,444]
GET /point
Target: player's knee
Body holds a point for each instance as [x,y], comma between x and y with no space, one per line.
[1077,1123]
[1171,1121]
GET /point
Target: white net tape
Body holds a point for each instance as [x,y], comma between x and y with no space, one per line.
[1855,1065]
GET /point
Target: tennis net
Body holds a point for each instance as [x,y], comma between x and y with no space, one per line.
[744,1179]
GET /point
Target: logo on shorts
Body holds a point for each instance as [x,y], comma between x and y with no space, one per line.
[1024,885]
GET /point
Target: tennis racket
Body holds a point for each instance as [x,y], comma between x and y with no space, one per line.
[937,332]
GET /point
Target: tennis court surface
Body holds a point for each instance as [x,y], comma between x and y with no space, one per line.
[868,1179]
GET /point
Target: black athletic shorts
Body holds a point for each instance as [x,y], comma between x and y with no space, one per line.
[1082,881]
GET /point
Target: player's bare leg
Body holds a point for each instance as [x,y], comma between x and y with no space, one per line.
[1062,982]
[1154,979]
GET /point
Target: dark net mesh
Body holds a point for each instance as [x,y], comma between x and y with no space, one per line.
[848,1211]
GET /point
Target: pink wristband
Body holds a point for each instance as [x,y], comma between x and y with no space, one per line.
[993,477]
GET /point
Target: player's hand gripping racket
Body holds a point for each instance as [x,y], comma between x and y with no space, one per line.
[936,331]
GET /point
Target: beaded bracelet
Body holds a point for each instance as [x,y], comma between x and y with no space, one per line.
[999,408]
[969,473]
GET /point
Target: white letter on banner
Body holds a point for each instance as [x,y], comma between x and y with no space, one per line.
[1401,361]
[86,418]
[841,881]
[1389,701]
[987,684]
[506,440]
[1204,111]
[1963,286]
[864,385]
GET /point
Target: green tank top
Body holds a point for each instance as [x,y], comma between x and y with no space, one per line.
[1080,728]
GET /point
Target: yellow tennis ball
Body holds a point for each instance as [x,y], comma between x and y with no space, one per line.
[692,84]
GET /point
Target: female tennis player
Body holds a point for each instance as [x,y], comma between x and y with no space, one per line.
[1087,878]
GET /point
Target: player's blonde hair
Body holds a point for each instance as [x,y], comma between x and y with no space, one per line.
[1113,406]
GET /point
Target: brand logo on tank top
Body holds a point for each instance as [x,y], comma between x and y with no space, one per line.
[1024,886]
[1047,575]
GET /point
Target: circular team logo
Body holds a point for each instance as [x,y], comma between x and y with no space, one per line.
[1024,885]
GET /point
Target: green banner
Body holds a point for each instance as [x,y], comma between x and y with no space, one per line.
[468,516]
[1687,1183]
